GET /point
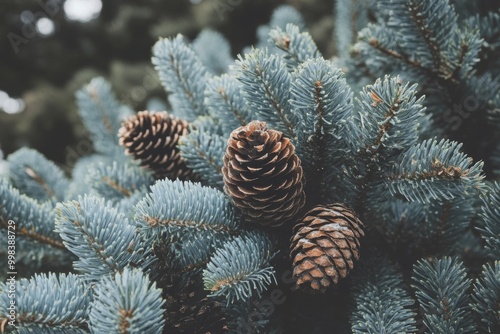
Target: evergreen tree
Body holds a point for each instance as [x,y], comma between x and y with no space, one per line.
[308,190]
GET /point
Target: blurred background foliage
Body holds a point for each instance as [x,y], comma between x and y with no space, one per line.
[50,48]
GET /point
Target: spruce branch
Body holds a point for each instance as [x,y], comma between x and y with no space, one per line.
[34,221]
[40,310]
[126,303]
[489,30]
[266,84]
[486,298]
[322,105]
[490,213]
[442,290]
[203,152]
[185,207]
[225,102]
[103,239]
[79,185]
[422,229]
[209,124]
[284,15]
[422,37]
[102,116]
[382,303]
[434,170]
[183,76]
[350,18]
[126,204]
[194,256]
[453,218]
[37,177]
[298,46]
[378,48]
[487,86]
[281,16]
[240,269]
[394,114]
[181,259]
[249,315]
[387,123]
[469,46]
[427,26]
[214,51]
[118,181]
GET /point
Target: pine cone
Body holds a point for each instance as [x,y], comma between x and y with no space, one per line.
[262,174]
[325,245]
[188,309]
[151,138]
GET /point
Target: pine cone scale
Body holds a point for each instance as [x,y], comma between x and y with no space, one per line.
[324,262]
[327,243]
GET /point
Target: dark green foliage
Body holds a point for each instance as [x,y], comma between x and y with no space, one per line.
[427,26]
[423,36]
[486,298]
[451,57]
[322,103]
[443,173]
[442,291]
[382,303]
[490,229]
[178,273]
[418,229]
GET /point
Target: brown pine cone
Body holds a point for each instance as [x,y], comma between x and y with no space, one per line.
[263,175]
[188,309]
[325,245]
[151,138]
